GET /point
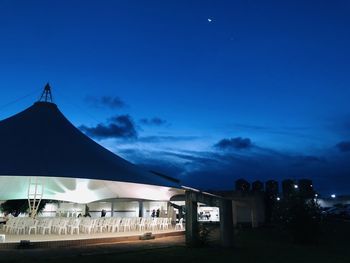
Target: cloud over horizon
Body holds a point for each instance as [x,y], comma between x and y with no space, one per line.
[343,146]
[219,169]
[237,143]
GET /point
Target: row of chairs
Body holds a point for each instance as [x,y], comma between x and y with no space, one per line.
[23,225]
[86,225]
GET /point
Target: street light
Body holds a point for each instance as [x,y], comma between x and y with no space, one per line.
[333,195]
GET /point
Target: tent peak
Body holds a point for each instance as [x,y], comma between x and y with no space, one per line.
[46,96]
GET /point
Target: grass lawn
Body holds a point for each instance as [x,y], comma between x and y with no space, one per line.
[252,245]
[270,245]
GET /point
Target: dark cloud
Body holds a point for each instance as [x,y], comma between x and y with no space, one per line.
[343,146]
[120,126]
[251,127]
[156,139]
[156,121]
[312,159]
[237,143]
[106,102]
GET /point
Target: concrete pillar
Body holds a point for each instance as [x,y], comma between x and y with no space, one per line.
[169,210]
[192,238]
[112,208]
[140,208]
[226,223]
[83,210]
[180,212]
[234,213]
[254,213]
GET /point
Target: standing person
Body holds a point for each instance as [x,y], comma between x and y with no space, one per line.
[158,212]
[103,213]
[153,213]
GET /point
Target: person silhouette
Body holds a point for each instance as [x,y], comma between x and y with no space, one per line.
[103,213]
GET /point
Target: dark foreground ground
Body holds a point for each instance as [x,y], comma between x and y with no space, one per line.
[258,245]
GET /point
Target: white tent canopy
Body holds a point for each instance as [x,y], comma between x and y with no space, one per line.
[41,142]
[83,190]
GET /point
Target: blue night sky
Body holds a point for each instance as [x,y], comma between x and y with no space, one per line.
[205,91]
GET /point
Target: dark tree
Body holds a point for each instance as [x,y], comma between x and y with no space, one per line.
[300,217]
[271,188]
[306,189]
[271,194]
[242,185]
[15,207]
[257,186]
[288,188]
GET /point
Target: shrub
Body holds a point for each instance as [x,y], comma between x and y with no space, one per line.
[203,234]
[300,217]
[15,207]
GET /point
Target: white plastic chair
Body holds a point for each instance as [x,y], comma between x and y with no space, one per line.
[125,224]
[47,227]
[73,226]
[33,226]
[169,222]
[62,227]
[9,225]
[179,225]
[154,224]
[164,224]
[114,225]
[20,227]
[89,226]
[142,225]
[101,225]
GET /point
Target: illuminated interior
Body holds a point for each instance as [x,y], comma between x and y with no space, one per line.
[84,190]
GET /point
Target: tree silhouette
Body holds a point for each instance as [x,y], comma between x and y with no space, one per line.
[16,207]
